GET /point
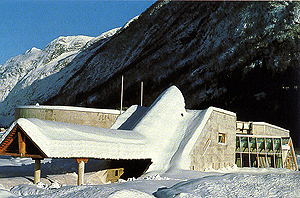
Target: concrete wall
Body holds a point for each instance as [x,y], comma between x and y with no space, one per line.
[83,116]
[208,152]
[261,128]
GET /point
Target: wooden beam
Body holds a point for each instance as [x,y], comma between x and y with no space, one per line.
[22,144]
[81,162]
[25,156]
[19,135]
[8,140]
[78,160]
[293,153]
[37,171]
[42,154]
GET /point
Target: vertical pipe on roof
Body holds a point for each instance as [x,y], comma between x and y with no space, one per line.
[142,90]
[122,84]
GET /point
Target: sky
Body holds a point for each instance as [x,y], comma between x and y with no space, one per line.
[35,23]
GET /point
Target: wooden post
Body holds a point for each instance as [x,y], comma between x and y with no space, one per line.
[142,87]
[122,84]
[81,162]
[293,153]
[22,145]
[37,171]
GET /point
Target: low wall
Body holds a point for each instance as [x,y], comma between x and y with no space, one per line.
[76,115]
[262,128]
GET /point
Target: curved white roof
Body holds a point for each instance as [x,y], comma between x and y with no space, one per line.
[165,132]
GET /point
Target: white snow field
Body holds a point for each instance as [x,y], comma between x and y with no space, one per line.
[230,182]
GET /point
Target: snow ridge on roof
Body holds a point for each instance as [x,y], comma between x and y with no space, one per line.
[165,133]
[159,125]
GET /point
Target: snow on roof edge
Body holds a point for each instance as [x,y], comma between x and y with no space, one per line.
[8,131]
[267,124]
[223,111]
[189,146]
[271,125]
[70,108]
[88,144]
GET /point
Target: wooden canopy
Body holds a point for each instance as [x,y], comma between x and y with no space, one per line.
[18,144]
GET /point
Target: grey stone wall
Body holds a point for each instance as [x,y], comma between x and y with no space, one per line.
[208,152]
[82,116]
[262,128]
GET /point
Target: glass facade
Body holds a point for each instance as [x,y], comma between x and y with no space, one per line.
[263,152]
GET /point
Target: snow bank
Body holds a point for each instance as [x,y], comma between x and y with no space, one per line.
[6,194]
[236,185]
[129,193]
[266,183]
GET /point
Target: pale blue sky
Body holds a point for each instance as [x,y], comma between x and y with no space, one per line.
[35,23]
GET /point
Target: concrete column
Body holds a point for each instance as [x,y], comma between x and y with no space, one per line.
[80,180]
[81,163]
[37,171]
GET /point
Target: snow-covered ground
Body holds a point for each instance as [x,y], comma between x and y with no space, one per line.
[230,182]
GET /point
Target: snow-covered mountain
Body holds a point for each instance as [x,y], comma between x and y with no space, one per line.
[239,56]
[37,75]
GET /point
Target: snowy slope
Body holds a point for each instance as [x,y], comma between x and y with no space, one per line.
[37,75]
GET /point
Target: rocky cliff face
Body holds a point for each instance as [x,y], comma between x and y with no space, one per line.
[240,56]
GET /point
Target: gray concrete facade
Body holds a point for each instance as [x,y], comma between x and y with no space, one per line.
[76,115]
[209,152]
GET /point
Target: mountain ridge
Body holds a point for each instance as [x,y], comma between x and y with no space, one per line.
[21,76]
[235,55]
[240,56]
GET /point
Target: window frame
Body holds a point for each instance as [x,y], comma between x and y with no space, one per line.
[222,138]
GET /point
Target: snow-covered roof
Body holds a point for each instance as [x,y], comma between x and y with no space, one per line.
[165,132]
[64,140]
[171,129]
